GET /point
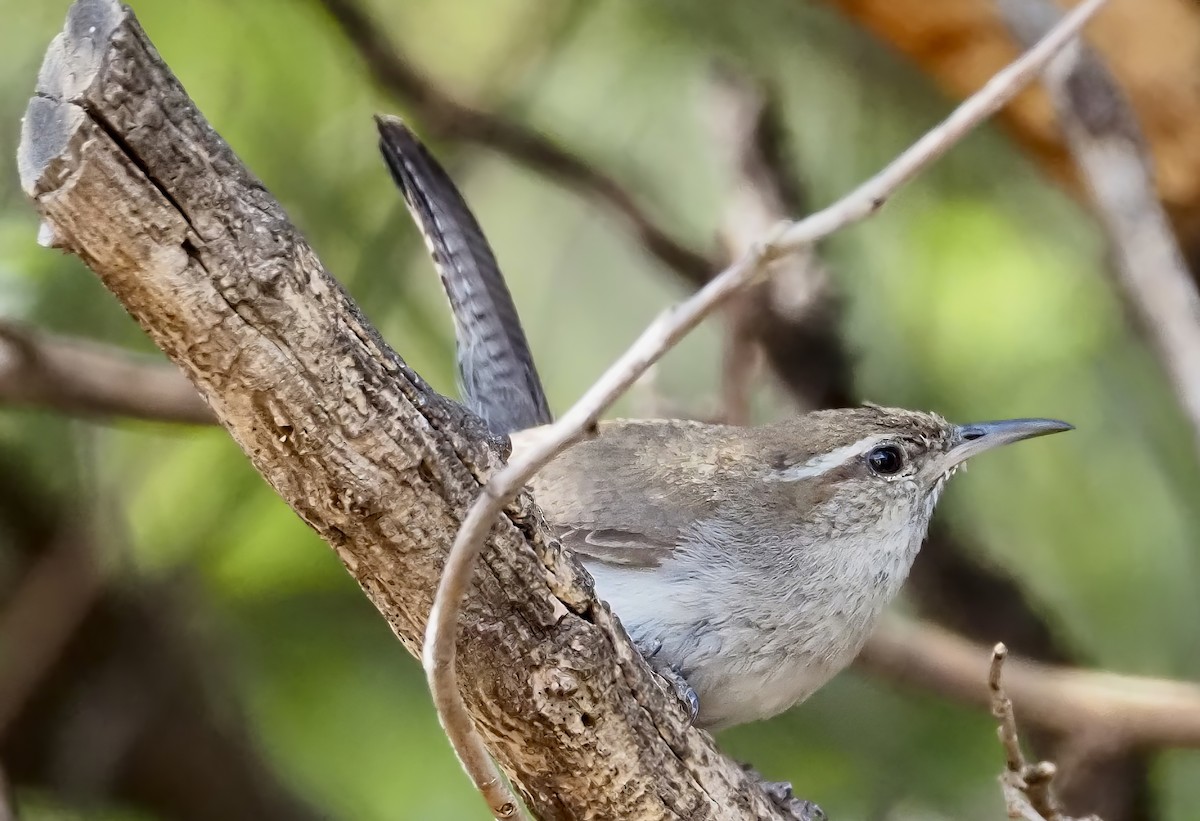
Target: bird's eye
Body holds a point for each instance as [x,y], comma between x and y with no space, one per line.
[885,460]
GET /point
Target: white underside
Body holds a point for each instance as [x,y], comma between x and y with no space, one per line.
[753,637]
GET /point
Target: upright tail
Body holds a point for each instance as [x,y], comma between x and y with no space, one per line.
[495,369]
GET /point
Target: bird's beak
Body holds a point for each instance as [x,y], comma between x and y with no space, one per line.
[980,436]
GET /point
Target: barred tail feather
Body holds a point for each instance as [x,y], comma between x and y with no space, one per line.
[496,372]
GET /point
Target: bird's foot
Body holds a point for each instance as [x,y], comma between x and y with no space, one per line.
[781,795]
[679,685]
[683,691]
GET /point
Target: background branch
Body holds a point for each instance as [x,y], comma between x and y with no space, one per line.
[793,315]
[1113,162]
[54,596]
[959,51]
[1122,711]
[75,376]
[8,810]
[444,117]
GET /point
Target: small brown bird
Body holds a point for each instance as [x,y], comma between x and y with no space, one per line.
[749,564]
[754,562]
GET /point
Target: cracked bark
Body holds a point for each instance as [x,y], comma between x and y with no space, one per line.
[127,174]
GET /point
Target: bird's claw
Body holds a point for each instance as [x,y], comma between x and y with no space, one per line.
[780,792]
[684,692]
[679,685]
[781,795]
[648,649]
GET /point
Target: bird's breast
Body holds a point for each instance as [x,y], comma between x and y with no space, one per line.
[758,628]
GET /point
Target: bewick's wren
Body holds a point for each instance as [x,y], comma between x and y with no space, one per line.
[748,563]
[755,561]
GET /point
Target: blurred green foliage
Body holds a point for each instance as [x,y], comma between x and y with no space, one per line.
[980,293]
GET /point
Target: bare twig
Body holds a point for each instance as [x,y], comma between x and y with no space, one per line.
[445,117]
[38,369]
[1114,162]
[1124,711]
[441,633]
[1002,709]
[1026,787]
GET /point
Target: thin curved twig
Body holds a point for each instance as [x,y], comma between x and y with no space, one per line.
[442,629]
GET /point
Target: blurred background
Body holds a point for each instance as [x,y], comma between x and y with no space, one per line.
[220,663]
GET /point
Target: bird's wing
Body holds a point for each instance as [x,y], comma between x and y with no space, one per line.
[630,495]
[628,548]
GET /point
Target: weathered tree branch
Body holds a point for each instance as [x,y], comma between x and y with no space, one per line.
[127,174]
[40,370]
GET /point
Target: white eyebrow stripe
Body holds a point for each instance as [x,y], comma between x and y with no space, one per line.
[825,462]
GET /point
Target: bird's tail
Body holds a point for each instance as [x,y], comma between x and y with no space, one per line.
[495,369]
